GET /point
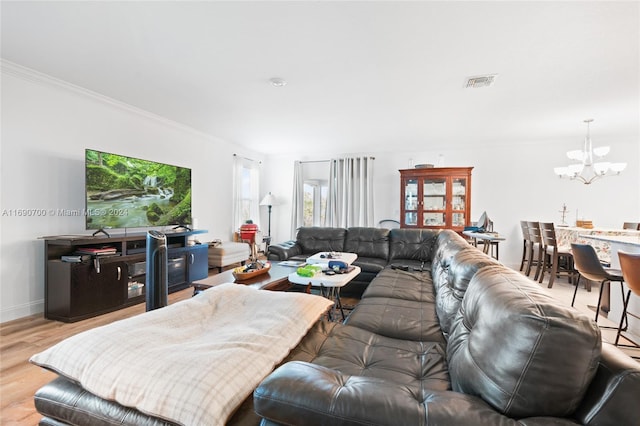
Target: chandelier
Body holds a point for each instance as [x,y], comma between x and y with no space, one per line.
[585,169]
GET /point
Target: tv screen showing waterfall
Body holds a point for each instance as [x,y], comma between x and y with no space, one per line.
[126,192]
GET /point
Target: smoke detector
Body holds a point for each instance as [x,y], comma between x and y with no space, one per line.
[478,81]
[277,82]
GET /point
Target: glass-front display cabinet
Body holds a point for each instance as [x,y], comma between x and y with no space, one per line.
[435,198]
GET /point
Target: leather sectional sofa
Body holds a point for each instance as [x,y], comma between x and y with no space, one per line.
[443,335]
[456,339]
[376,248]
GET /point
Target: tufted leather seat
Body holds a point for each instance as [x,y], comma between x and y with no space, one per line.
[462,340]
[415,364]
[399,305]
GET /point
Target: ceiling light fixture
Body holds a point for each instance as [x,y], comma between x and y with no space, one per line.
[585,170]
[278,82]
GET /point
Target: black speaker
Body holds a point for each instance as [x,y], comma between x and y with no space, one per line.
[157,282]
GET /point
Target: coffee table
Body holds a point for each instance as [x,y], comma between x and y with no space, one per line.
[275,279]
[329,285]
[324,257]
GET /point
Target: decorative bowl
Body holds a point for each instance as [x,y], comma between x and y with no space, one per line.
[241,274]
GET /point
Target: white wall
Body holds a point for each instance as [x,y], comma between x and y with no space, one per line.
[46,126]
[511,182]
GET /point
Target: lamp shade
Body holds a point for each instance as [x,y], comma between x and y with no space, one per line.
[268,200]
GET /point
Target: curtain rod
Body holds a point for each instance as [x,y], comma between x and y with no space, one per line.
[247,158]
[326,161]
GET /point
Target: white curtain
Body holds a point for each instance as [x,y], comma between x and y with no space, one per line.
[246,190]
[297,212]
[350,198]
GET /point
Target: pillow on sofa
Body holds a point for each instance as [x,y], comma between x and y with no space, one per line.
[520,350]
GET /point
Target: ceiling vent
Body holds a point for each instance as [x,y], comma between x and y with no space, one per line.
[480,81]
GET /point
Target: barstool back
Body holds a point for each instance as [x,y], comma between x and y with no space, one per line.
[630,265]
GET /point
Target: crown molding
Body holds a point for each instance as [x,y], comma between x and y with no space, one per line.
[31,75]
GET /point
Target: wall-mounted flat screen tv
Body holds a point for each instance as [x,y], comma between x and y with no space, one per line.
[126,192]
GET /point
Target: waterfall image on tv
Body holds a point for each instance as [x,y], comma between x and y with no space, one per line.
[126,192]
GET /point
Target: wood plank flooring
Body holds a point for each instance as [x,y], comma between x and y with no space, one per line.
[24,337]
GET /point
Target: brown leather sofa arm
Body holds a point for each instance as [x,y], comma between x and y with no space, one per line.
[302,393]
[284,251]
[612,397]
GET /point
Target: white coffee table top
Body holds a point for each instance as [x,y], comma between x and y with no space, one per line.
[324,280]
[324,257]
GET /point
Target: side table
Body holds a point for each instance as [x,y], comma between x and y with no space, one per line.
[329,285]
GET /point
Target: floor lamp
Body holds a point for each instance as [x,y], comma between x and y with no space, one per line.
[269,200]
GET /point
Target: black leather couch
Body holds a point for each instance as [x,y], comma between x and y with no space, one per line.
[376,248]
[460,340]
[455,339]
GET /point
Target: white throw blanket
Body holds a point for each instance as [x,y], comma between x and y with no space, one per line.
[192,362]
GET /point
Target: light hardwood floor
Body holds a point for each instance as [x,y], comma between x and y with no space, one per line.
[24,337]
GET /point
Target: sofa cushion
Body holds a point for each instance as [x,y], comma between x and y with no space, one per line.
[316,239]
[368,242]
[283,251]
[370,268]
[462,267]
[357,352]
[303,393]
[411,244]
[371,265]
[508,344]
[398,318]
[399,284]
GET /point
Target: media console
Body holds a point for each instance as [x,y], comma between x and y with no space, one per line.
[101,283]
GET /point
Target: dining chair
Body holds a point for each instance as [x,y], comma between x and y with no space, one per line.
[631,225]
[588,266]
[525,243]
[556,259]
[535,248]
[630,266]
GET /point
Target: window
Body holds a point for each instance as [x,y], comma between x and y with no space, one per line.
[246,190]
[315,202]
[246,198]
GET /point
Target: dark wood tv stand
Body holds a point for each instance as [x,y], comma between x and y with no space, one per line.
[76,291]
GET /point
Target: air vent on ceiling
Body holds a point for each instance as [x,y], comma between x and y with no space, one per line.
[480,81]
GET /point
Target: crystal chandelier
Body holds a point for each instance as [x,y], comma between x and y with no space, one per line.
[585,170]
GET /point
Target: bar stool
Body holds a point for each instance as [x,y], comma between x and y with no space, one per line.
[525,242]
[630,265]
[535,247]
[554,254]
[588,265]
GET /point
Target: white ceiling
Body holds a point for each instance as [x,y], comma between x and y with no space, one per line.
[362,76]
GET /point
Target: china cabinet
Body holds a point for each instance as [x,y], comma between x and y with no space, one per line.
[435,198]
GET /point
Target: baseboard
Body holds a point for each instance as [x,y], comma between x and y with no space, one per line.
[21,311]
